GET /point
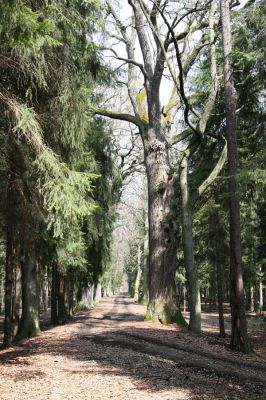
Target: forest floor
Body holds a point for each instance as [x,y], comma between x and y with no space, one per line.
[111,353]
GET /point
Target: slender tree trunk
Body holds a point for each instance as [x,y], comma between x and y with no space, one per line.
[239,337]
[219,274]
[29,323]
[2,293]
[260,292]
[11,258]
[91,294]
[145,298]
[10,265]
[256,300]
[70,298]
[62,307]
[45,290]
[252,301]
[54,295]
[185,297]
[207,297]
[188,246]
[138,277]
[16,299]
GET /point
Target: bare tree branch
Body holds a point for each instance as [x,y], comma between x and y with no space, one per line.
[120,116]
[143,39]
[211,178]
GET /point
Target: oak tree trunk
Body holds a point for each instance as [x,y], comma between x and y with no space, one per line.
[162,214]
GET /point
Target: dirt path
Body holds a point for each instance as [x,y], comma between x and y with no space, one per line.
[110,353]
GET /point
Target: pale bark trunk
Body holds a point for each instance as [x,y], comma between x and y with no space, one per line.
[188,246]
[97,292]
[252,299]
[239,337]
[16,299]
[145,298]
[45,290]
[260,292]
[29,323]
[185,297]
[138,277]
[88,295]
[220,299]
[2,294]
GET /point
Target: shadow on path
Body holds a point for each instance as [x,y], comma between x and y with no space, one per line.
[154,358]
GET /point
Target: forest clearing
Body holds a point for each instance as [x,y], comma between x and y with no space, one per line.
[111,353]
[132,199]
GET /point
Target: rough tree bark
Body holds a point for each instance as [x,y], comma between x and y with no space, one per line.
[9,268]
[29,322]
[11,257]
[239,337]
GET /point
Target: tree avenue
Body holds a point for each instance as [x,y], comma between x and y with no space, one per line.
[168,39]
[101,98]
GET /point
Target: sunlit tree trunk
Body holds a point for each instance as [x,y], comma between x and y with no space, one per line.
[188,246]
[145,298]
[162,213]
[260,291]
[220,296]
[138,277]
[16,298]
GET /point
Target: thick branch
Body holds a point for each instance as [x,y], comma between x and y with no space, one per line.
[129,42]
[181,86]
[143,39]
[214,89]
[211,178]
[181,136]
[120,116]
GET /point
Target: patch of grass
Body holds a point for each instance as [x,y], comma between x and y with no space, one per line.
[81,306]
